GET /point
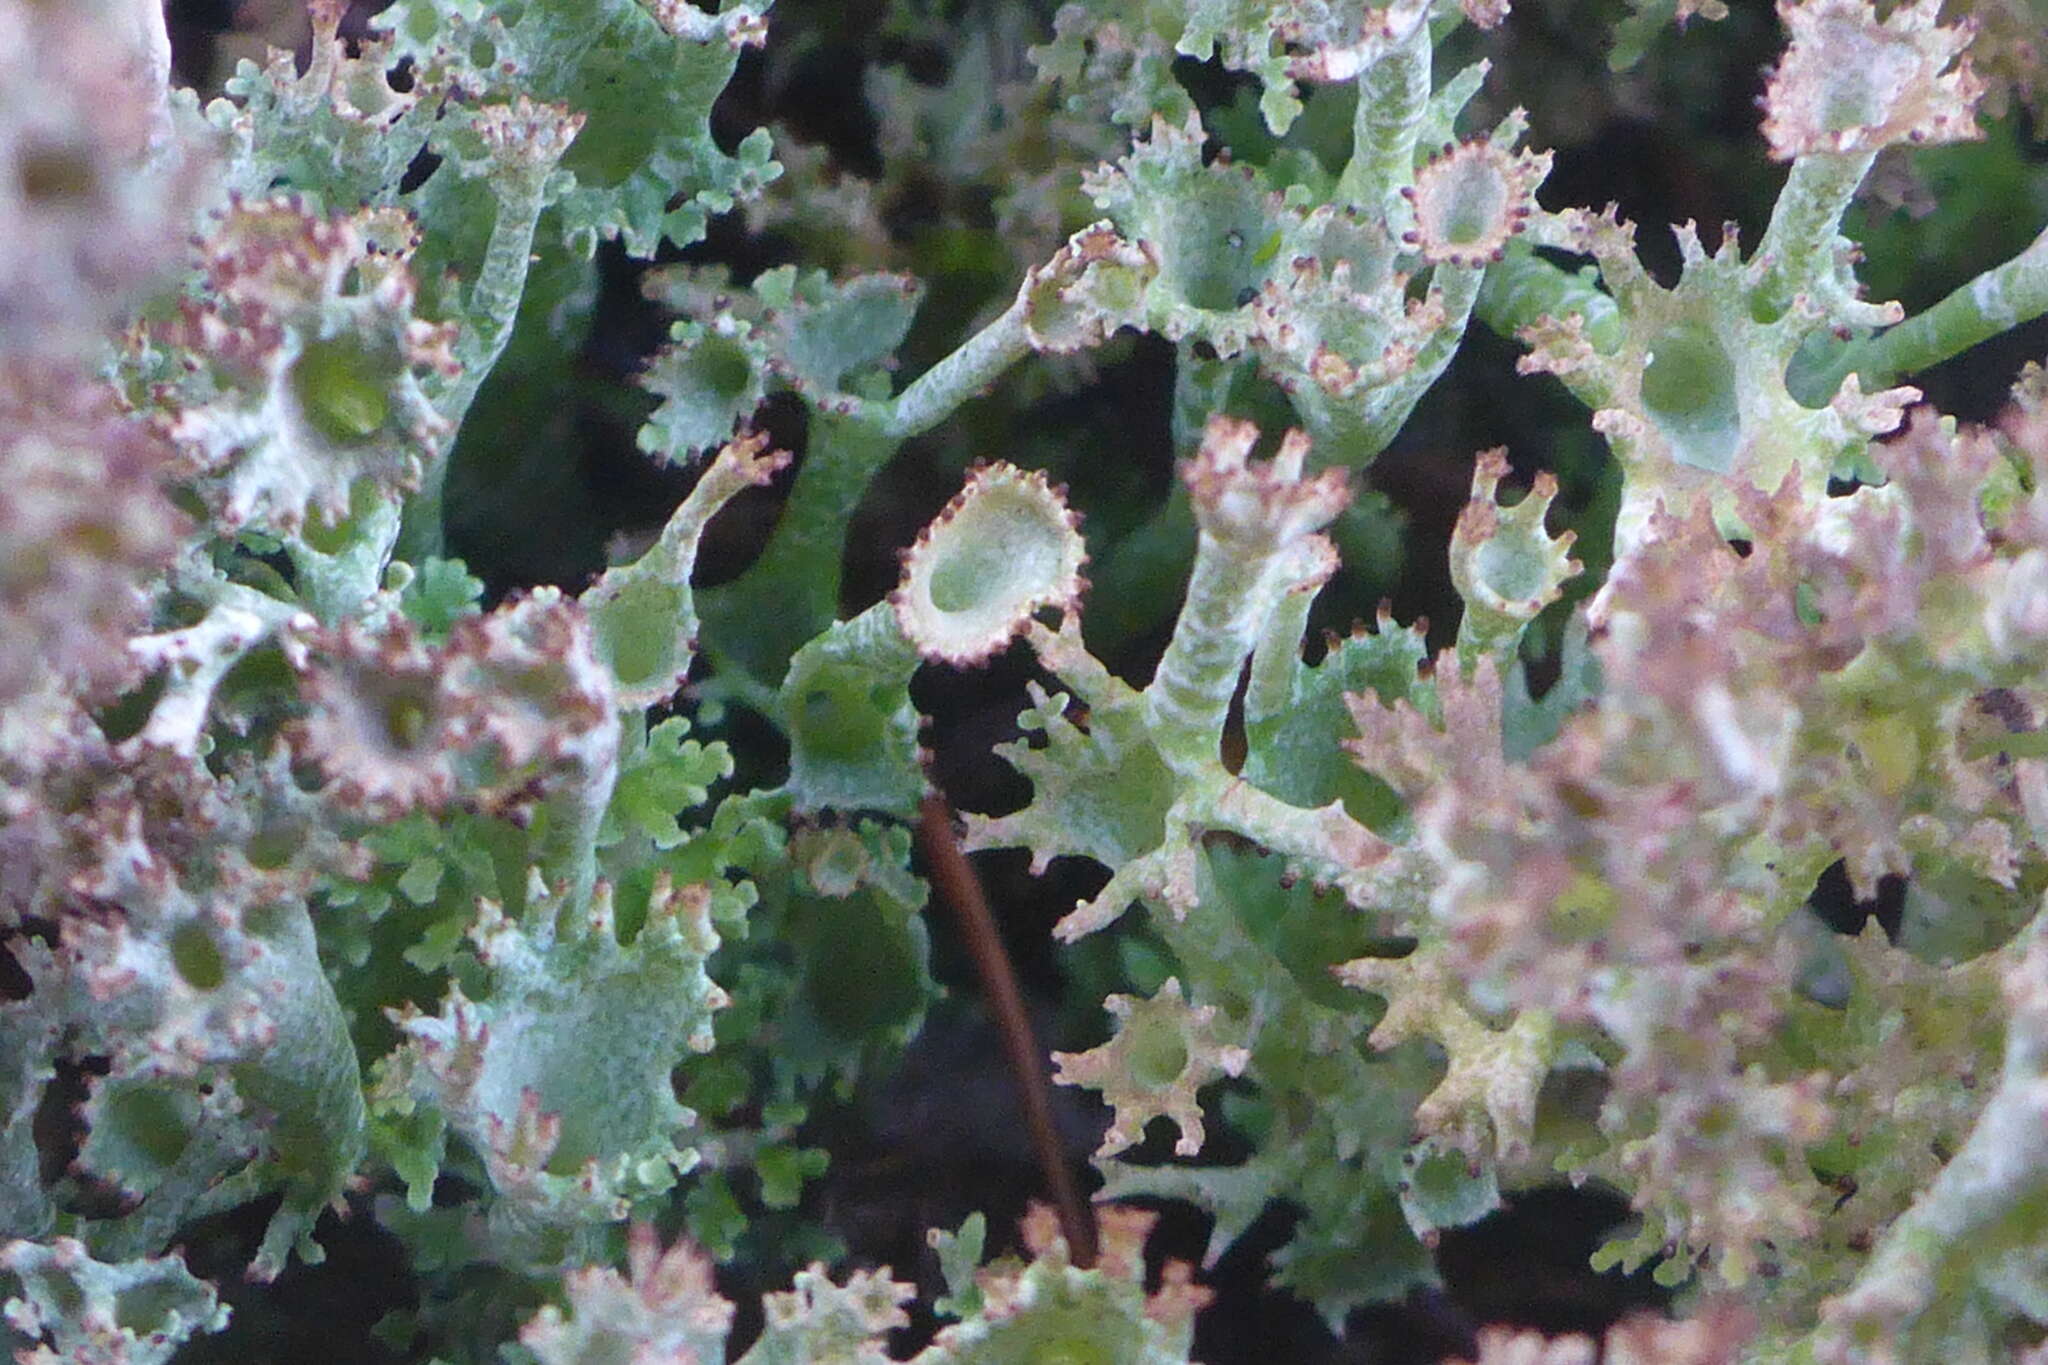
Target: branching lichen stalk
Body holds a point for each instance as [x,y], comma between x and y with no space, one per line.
[1799,245]
[2006,296]
[966,371]
[1392,95]
[492,306]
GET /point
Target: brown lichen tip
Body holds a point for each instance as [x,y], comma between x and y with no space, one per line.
[1850,84]
[305,364]
[740,26]
[527,681]
[1004,547]
[664,1296]
[379,724]
[511,701]
[1502,560]
[1269,504]
[1092,286]
[747,460]
[1122,1231]
[1469,199]
[1485,14]
[527,132]
[1164,1051]
[1379,31]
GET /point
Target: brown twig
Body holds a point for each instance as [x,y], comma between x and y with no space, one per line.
[956,884]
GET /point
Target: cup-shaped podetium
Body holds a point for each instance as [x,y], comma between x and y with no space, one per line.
[1004,547]
[1851,84]
[1503,563]
[1469,199]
